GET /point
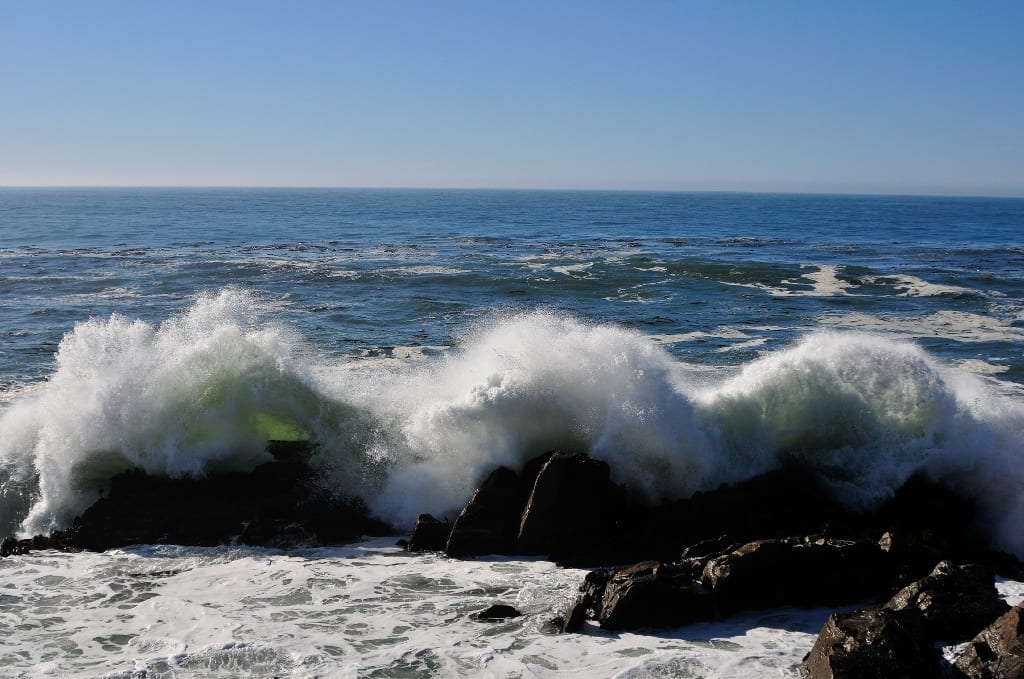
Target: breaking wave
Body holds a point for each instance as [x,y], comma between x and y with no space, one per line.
[206,390]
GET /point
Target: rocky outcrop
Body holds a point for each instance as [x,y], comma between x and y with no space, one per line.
[571,509]
[871,644]
[278,504]
[760,574]
[562,505]
[997,652]
[898,639]
[953,602]
[795,572]
[429,534]
[779,539]
[490,521]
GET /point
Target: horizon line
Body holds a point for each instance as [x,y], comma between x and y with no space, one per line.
[330,187]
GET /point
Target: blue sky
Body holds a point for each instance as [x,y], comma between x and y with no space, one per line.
[891,97]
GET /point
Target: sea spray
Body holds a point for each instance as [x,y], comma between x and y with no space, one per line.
[200,392]
[204,392]
[523,384]
[866,412]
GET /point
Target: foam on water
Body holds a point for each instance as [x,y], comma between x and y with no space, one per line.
[367,610]
[205,391]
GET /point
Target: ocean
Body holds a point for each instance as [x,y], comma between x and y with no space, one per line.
[424,337]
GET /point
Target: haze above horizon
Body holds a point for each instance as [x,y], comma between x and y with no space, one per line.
[908,98]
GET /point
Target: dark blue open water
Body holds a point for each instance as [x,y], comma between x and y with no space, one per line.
[355,270]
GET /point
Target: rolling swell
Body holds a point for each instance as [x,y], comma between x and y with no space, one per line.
[205,391]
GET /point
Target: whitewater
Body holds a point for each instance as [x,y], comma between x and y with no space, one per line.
[421,340]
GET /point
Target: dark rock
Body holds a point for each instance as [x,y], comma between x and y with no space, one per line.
[761,574]
[592,592]
[869,644]
[793,572]
[928,522]
[574,618]
[490,522]
[777,504]
[653,594]
[277,504]
[710,547]
[497,612]
[429,534]
[953,602]
[997,652]
[571,506]
[279,534]
[11,547]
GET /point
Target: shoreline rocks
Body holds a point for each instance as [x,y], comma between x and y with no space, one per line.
[778,539]
[275,505]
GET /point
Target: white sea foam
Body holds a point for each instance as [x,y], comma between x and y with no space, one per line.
[205,390]
[962,326]
[370,609]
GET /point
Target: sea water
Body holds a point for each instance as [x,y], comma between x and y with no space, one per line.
[424,337]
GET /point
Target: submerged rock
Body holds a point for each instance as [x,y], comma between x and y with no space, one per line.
[497,612]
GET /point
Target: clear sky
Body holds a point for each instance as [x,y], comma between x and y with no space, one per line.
[894,96]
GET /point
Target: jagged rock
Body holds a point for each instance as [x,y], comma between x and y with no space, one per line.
[429,534]
[571,505]
[490,522]
[574,618]
[653,594]
[793,572]
[997,652]
[925,522]
[870,644]
[760,574]
[710,547]
[497,612]
[953,602]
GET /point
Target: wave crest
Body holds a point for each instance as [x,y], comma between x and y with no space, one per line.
[205,391]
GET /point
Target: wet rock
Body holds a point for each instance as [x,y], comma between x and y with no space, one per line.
[997,652]
[571,506]
[497,612]
[277,504]
[11,547]
[574,618]
[925,522]
[953,602]
[870,644]
[489,523]
[429,534]
[760,574]
[795,572]
[653,594]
